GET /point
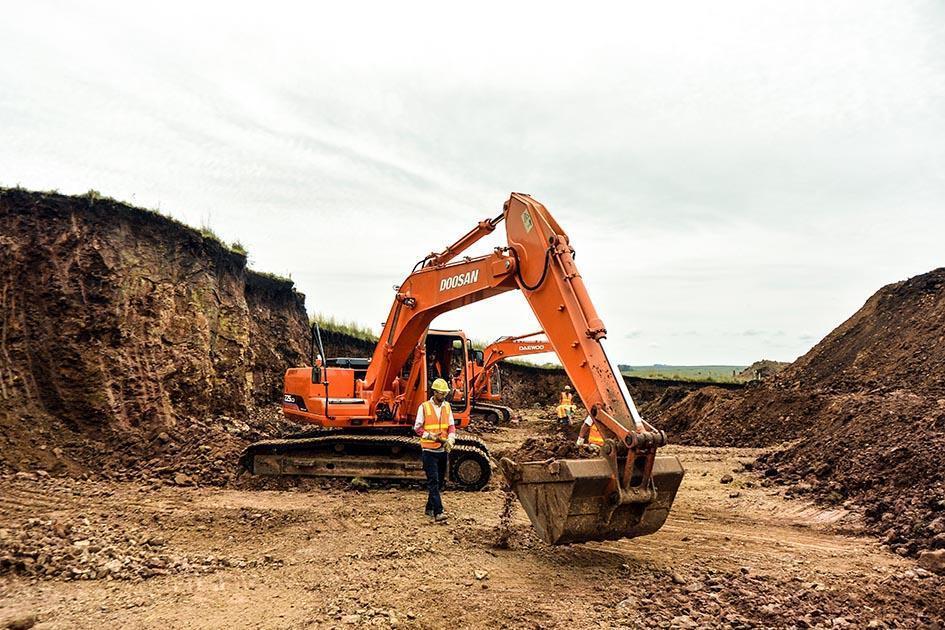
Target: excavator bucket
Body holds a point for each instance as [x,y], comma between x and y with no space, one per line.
[576,500]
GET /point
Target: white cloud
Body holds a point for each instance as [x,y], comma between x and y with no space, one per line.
[733,166]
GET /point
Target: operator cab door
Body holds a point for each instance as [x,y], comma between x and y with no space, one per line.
[446,358]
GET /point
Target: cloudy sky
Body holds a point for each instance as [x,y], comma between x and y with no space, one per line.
[737,177]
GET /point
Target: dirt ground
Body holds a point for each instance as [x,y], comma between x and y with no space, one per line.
[735,554]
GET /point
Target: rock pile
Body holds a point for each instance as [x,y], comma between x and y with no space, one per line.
[82,550]
[737,599]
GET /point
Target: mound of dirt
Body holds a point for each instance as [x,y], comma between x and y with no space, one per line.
[895,341]
[864,412]
[553,440]
[883,454]
[761,370]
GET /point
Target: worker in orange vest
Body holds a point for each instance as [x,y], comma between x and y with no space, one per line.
[589,434]
[437,431]
[565,406]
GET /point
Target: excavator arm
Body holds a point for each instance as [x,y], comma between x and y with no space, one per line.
[505,348]
[626,492]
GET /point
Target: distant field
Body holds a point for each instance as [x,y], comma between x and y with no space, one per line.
[718,373]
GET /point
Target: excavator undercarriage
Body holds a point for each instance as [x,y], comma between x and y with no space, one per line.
[370,456]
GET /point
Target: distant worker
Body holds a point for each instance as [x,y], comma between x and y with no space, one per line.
[437,432]
[566,406]
[458,393]
[589,434]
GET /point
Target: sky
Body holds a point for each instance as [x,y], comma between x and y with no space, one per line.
[737,178]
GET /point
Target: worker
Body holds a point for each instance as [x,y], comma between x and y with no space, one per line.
[458,393]
[433,367]
[565,406]
[589,434]
[437,431]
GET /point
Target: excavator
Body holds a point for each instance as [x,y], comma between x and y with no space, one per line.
[367,406]
[485,365]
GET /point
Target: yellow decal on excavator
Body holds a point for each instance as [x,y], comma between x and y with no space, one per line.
[527,221]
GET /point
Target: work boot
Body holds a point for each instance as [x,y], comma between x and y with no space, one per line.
[440,518]
[429,512]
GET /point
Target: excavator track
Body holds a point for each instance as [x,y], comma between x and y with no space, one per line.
[371,456]
[500,413]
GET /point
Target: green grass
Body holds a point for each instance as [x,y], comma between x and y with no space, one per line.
[540,366]
[350,328]
[707,373]
[274,276]
[204,230]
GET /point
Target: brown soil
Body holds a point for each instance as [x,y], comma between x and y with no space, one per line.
[731,555]
[763,369]
[550,440]
[128,340]
[861,416]
[526,385]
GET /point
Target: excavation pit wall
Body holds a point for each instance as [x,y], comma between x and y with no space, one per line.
[119,324]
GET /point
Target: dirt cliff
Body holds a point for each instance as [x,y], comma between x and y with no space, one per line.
[864,412]
[119,323]
[339,344]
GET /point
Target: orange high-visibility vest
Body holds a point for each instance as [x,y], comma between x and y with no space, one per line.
[435,425]
[566,398]
[594,436]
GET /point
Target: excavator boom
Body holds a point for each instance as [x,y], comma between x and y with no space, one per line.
[629,490]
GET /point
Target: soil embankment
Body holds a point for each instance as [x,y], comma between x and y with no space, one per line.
[125,333]
[864,412]
[339,344]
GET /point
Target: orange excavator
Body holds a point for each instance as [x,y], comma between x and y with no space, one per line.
[485,365]
[367,407]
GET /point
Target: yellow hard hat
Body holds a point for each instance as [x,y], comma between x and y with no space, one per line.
[439,385]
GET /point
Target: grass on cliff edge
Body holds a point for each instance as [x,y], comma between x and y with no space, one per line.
[700,373]
[204,230]
[350,328]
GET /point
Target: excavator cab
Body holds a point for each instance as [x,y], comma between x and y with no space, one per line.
[446,356]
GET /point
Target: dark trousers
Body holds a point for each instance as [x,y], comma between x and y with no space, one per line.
[434,465]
